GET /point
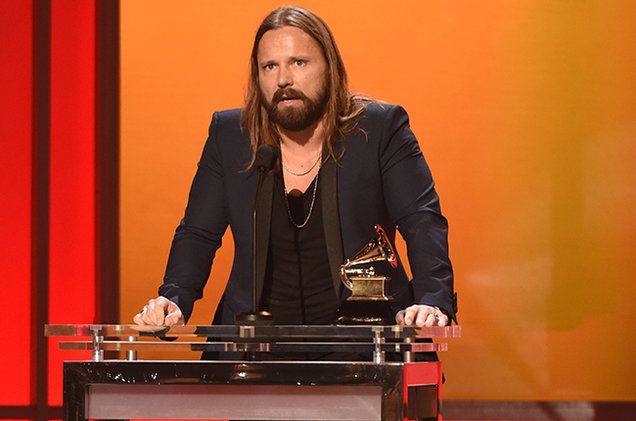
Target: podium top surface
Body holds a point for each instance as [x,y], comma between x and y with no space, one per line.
[255,339]
[276,332]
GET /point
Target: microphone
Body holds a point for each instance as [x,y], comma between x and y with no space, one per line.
[266,157]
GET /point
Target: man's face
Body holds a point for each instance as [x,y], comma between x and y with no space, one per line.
[292,78]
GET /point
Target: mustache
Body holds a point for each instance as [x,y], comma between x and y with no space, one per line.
[287,93]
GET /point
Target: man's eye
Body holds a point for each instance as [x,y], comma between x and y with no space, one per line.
[269,66]
[300,62]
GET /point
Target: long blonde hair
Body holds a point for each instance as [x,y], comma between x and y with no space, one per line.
[342,106]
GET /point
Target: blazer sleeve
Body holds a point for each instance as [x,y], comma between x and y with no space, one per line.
[201,230]
[413,204]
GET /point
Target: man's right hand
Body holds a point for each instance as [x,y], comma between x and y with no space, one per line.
[160,311]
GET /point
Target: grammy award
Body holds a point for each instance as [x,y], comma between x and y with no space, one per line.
[369,302]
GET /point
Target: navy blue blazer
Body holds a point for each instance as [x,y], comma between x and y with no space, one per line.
[381,177]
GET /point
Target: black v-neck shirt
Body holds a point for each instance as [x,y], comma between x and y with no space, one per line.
[298,288]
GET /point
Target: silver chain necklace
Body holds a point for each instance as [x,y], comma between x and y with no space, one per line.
[311,207]
[300,174]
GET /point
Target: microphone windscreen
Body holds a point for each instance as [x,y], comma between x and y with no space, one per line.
[266,157]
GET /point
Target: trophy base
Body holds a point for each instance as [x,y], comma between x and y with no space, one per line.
[365,312]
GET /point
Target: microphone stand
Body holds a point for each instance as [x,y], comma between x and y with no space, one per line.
[255,317]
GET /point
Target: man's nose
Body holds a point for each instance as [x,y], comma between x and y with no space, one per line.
[284,78]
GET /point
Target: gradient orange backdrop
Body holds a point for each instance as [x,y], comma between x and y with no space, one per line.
[526,112]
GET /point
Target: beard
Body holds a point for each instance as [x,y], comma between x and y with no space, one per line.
[294,118]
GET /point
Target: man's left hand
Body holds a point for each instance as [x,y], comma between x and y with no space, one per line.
[421,315]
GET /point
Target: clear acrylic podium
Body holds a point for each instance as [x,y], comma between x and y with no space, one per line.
[255,383]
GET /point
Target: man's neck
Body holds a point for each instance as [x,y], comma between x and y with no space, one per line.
[303,141]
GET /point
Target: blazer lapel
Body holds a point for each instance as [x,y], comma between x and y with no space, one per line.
[331,220]
[263,222]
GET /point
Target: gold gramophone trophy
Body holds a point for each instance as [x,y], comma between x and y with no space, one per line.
[369,302]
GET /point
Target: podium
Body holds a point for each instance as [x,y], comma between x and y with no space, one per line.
[363,373]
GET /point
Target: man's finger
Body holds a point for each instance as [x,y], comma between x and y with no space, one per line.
[431,320]
[442,320]
[141,318]
[146,317]
[425,318]
[157,311]
[174,316]
[399,317]
[409,315]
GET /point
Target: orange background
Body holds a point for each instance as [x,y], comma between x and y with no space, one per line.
[526,112]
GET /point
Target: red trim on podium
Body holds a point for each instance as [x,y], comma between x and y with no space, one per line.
[16,86]
[72,175]
[422,374]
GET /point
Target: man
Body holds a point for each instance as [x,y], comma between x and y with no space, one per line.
[346,164]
